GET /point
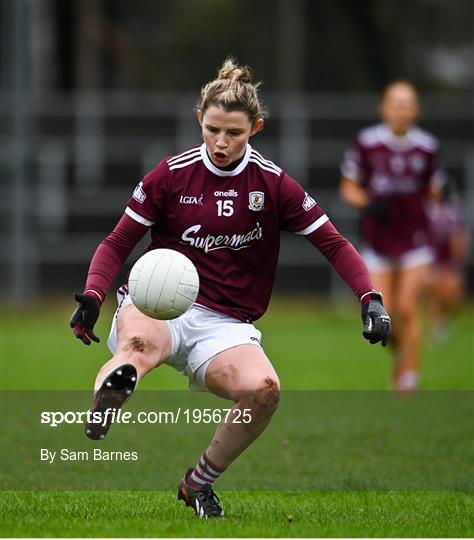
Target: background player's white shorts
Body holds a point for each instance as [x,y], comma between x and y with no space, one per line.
[376,262]
[197,336]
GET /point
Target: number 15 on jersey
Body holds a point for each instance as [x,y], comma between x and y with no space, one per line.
[225,208]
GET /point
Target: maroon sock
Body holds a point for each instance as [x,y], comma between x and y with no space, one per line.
[205,472]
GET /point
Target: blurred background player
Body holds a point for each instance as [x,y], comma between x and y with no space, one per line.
[389,174]
[446,279]
[223,205]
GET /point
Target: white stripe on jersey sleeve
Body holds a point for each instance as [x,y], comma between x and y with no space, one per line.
[265,161]
[186,163]
[179,157]
[311,228]
[274,171]
[188,155]
[138,217]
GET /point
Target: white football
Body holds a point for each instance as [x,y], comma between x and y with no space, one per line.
[163,284]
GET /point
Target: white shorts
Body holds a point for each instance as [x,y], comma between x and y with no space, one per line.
[196,337]
[410,259]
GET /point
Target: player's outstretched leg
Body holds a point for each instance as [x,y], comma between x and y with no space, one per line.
[245,375]
[109,398]
[142,344]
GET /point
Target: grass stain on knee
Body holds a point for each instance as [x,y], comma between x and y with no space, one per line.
[264,402]
[270,393]
[137,344]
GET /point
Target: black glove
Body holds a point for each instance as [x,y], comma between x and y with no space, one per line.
[83,319]
[377,324]
[379,209]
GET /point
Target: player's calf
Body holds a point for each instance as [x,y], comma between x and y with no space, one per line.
[114,391]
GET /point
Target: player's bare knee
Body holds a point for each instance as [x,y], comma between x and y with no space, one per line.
[141,352]
[266,396]
[136,344]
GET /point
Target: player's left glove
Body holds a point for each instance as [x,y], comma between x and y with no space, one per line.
[377,324]
[84,318]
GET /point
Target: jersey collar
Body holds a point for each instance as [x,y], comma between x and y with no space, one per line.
[398,143]
[234,172]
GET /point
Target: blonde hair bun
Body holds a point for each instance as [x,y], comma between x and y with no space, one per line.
[234,90]
[231,71]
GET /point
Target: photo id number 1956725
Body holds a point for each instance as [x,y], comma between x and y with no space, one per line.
[216,416]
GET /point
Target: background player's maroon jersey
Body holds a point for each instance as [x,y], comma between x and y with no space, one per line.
[399,170]
[227,222]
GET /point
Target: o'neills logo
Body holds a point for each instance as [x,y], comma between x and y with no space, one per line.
[230,193]
[211,242]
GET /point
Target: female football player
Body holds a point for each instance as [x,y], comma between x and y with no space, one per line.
[389,174]
[222,204]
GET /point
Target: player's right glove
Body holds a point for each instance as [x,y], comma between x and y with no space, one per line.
[379,209]
[376,320]
[84,318]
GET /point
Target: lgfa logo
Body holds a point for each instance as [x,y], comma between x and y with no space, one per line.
[189,199]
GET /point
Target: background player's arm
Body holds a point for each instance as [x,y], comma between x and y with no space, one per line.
[354,170]
[357,196]
[353,193]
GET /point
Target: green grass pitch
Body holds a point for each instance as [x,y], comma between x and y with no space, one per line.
[313,347]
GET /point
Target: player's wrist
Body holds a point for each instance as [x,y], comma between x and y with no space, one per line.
[371,295]
[95,294]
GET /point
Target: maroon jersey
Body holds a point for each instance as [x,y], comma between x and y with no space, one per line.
[227,222]
[399,170]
